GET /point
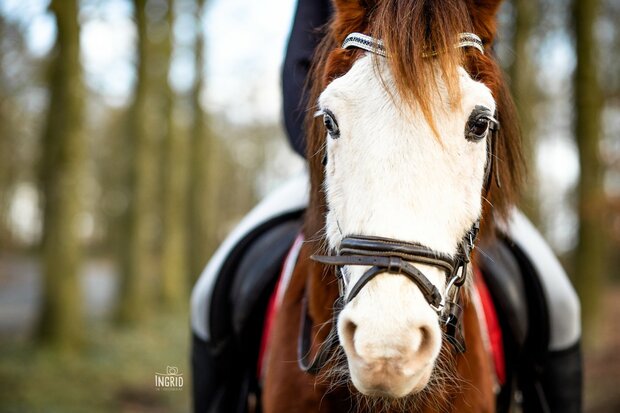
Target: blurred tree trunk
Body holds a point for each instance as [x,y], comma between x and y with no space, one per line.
[524,91]
[137,253]
[174,242]
[61,177]
[203,160]
[590,256]
[5,153]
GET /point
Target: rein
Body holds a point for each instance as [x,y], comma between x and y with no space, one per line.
[397,257]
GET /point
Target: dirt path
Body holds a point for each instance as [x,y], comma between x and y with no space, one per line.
[602,362]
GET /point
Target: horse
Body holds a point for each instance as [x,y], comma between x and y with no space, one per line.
[414,157]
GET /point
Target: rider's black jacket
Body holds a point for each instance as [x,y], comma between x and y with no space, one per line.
[310,17]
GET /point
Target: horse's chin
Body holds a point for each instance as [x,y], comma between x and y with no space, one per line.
[390,381]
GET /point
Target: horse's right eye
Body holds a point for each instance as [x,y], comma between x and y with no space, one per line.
[330,124]
[478,128]
[479,123]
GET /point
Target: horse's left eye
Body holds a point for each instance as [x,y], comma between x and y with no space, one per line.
[330,124]
[478,124]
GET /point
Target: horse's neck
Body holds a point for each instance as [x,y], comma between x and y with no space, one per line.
[321,290]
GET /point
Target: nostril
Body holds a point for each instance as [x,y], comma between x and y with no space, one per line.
[349,329]
[426,340]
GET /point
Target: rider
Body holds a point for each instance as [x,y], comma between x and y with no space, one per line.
[561,380]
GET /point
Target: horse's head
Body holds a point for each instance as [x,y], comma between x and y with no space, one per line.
[401,161]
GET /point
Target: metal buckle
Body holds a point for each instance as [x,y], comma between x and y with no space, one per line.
[342,285]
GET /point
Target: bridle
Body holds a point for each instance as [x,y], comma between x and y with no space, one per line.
[397,257]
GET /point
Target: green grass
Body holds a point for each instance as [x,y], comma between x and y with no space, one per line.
[114,372]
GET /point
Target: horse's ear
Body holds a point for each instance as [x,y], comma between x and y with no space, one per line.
[350,16]
[340,5]
[483,17]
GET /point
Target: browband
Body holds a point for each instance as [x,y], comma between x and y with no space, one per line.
[370,44]
[363,41]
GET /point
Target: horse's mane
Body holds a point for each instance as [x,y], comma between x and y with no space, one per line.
[411,29]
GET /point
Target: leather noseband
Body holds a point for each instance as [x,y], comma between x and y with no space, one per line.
[396,257]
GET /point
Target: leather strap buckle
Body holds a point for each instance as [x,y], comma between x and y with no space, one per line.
[395,265]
